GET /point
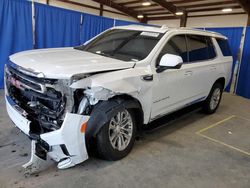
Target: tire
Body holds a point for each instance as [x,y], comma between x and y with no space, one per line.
[115,130]
[212,102]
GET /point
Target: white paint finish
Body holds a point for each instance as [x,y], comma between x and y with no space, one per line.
[177,88]
[20,121]
[198,73]
[170,60]
[130,81]
[143,28]
[69,134]
[66,62]
[166,92]
[171,90]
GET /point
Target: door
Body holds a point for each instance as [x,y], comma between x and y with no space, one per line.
[173,87]
[201,58]
[177,88]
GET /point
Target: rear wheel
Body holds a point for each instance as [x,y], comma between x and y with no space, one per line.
[116,138]
[213,100]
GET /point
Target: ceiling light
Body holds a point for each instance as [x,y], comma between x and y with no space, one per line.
[146,3]
[179,13]
[140,16]
[227,10]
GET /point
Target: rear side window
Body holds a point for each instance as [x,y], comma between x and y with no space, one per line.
[211,50]
[200,48]
[176,46]
[224,46]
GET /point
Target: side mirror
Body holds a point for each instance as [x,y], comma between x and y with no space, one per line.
[169,61]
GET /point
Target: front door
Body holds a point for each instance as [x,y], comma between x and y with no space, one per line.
[173,87]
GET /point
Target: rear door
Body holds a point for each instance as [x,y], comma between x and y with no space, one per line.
[202,59]
[177,88]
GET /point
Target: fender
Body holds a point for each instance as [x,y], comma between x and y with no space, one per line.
[128,81]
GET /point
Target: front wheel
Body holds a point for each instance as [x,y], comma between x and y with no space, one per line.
[213,100]
[116,138]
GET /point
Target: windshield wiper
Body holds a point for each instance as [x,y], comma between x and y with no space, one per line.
[79,47]
[103,54]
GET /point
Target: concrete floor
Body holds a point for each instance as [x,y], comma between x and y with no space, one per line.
[194,151]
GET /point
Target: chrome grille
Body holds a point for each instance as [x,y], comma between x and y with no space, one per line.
[22,81]
[43,104]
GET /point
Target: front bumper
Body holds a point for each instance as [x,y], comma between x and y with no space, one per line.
[66,145]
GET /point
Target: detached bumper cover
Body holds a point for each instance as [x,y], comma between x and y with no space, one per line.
[66,145]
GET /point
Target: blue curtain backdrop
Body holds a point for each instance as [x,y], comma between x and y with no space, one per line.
[234,35]
[93,25]
[56,27]
[243,85]
[15,30]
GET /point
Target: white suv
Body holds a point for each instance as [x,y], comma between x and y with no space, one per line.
[99,94]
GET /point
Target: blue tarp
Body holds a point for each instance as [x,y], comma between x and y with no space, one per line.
[93,25]
[15,30]
[243,85]
[56,27]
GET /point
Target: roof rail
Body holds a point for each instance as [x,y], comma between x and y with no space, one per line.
[164,27]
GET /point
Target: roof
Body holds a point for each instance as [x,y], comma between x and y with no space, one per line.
[144,28]
[164,29]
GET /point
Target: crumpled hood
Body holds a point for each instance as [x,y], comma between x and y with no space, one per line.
[66,62]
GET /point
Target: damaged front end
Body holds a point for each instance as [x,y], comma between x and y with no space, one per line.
[51,114]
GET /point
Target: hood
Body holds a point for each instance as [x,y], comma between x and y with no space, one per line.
[66,62]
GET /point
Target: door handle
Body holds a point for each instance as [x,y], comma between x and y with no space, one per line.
[148,77]
[188,73]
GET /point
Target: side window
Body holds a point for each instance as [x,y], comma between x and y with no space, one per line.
[176,46]
[198,48]
[211,50]
[224,46]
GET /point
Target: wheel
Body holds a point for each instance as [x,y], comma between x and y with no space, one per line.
[116,138]
[213,100]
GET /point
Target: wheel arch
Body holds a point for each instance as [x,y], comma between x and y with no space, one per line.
[136,108]
[104,110]
[222,81]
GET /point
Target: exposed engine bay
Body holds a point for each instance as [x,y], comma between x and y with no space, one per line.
[44,103]
[48,112]
[48,104]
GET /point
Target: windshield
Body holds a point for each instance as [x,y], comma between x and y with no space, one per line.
[126,45]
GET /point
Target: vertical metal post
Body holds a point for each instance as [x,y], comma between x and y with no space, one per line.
[239,59]
[183,21]
[101,10]
[33,23]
